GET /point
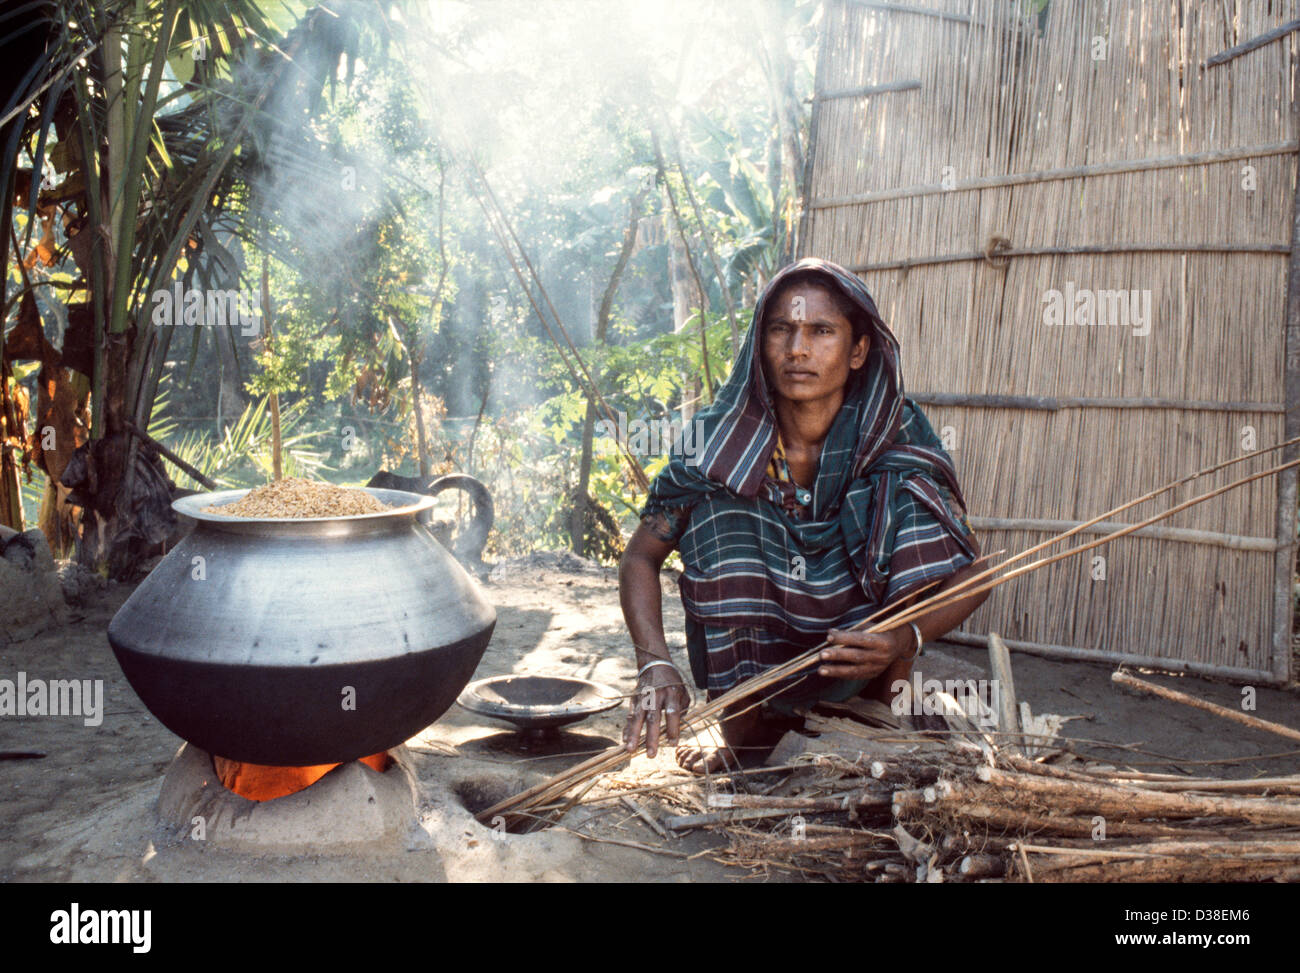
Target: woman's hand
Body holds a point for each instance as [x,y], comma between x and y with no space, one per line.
[660,692]
[865,656]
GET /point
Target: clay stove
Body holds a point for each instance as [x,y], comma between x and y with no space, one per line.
[351,808]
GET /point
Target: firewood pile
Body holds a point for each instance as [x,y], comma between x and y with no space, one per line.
[987,797]
[974,803]
[973,791]
[947,813]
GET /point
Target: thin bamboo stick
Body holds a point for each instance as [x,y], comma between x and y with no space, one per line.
[1124,679]
[917,610]
[1085,525]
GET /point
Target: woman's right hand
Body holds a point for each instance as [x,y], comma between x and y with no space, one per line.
[660,694]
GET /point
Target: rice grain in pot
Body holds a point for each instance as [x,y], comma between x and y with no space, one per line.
[296,497]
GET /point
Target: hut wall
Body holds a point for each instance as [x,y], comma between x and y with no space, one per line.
[967,161]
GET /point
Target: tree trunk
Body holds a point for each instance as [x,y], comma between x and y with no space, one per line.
[689,263]
[578,522]
[12,432]
[707,237]
[787,111]
[421,437]
[679,275]
[268,332]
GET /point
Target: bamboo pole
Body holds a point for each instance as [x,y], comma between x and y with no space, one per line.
[268,335]
[577,370]
[1123,802]
[1173,695]
[1286,147]
[916,610]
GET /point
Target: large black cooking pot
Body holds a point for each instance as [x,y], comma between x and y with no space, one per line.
[302,641]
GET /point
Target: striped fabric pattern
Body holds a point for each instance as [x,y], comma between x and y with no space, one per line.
[761,584]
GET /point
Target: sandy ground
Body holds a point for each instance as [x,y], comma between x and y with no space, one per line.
[85,812]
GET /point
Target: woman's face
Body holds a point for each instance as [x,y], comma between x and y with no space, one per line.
[808,344]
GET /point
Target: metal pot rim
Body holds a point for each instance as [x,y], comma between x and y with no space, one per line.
[403,505]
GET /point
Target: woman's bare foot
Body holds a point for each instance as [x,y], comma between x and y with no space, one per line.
[747,739]
[706,760]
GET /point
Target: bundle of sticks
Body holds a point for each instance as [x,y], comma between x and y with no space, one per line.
[548,797]
[955,814]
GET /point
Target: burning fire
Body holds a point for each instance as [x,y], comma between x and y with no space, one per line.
[262,782]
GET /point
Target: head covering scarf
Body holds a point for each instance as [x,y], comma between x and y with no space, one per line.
[886,514]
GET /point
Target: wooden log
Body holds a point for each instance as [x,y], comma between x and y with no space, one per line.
[970,844]
[1165,861]
[1173,870]
[709,819]
[905,771]
[1000,670]
[1127,803]
[1016,821]
[1027,766]
[846,801]
[791,847]
[757,806]
[1258,785]
[684,822]
[982,866]
[1124,679]
[1212,848]
[908,800]
[1163,782]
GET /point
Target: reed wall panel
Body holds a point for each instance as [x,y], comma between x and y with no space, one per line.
[1002,95]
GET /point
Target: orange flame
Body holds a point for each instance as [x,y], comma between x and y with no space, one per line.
[263,782]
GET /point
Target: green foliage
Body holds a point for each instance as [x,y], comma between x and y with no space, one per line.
[242,456]
[382,265]
[285,360]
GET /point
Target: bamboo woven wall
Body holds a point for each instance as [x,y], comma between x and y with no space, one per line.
[890,182]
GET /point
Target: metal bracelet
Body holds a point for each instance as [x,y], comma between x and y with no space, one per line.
[919,639]
[654,662]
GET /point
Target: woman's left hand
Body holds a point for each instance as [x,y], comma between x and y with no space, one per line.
[861,655]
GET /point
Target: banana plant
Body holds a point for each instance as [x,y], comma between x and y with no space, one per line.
[156,114]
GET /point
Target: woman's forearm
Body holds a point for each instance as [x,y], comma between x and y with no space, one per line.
[642,600]
[941,620]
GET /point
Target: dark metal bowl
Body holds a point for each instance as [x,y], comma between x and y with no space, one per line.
[538,705]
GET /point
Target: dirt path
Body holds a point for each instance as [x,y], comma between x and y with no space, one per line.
[86,811]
